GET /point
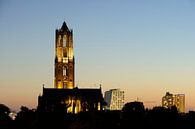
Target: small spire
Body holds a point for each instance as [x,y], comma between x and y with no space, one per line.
[100,86]
[43,86]
[64,26]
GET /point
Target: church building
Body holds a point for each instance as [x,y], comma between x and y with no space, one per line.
[65,96]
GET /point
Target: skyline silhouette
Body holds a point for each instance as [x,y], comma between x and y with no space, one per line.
[145,48]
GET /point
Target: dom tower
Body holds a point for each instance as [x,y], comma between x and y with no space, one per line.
[64,58]
[64,97]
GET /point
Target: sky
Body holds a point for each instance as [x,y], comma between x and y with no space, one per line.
[144,47]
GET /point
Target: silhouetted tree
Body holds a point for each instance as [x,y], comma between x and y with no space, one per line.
[4,113]
[134,108]
[5,120]
[133,114]
[26,118]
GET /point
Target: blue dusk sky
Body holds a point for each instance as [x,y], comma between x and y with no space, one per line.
[144,47]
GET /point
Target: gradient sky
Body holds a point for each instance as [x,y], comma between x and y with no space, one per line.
[144,47]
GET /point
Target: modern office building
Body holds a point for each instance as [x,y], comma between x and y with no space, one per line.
[177,100]
[114,99]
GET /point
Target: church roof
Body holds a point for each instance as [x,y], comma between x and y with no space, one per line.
[62,93]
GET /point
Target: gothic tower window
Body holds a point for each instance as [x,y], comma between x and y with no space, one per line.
[58,41]
[64,41]
[64,71]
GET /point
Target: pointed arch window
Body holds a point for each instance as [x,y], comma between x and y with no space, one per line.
[59,40]
[64,41]
[64,71]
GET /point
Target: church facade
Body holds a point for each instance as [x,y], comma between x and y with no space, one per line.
[65,96]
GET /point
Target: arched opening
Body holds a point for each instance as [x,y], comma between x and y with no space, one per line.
[64,71]
[64,41]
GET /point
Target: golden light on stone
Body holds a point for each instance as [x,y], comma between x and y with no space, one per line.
[73,105]
[64,95]
[64,58]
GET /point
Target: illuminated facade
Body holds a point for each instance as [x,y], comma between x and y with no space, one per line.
[177,100]
[64,96]
[70,100]
[114,99]
[64,58]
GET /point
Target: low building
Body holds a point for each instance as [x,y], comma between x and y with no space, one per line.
[114,99]
[177,100]
[70,100]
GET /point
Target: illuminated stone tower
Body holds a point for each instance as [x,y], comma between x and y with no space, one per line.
[64,58]
[64,95]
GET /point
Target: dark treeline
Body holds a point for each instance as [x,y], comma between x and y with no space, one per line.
[132,116]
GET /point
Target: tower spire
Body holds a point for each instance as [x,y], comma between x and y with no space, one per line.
[64,27]
[64,59]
